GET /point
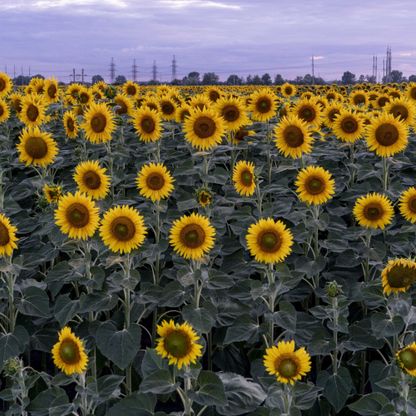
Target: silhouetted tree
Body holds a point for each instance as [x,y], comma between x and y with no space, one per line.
[396,76]
[412,78]
[266,79]
[348,78]
[278,80]
[96,78]
[210,78]
[120,79]
[21,80]
[256,80]
[234,80]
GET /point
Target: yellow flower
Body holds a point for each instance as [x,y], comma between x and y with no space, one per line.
[7,236]
[99,123]
[288,90]
[51,90]
[244,178]
[398,275]
[233,112]
[407,204]
[33,111]
[359,97]
[373,211]
[52,193]
[308,111]
[4,111]
[403,109]
[122,229]
[204,197]
[192,236]
[263,104]
[147,124]
[77,216]
[131,89]
[124,104]
[70,124]
[154,181]
[92,179]
[178,343]
[6,84]
[286,363]
[167,108]
[315,185]
[269,241]
[406,358]
[69,353]
[348,126]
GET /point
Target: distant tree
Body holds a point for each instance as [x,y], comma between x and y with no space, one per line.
[256,80]
[319,81]
[278,80]
[176,82]
[412,78]
[249,80]
[308,79]
[210,78]
[370,78]
[120,79]
[96,78]
[361,79]
[396,76]
[38,76]
[191,79]
[234,80]
[21,80]
[266,79]
[348,78]
[298,80]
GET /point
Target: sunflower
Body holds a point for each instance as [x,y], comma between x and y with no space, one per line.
[398,275]
[269,241]
[386,135]
[292,137]
[244,178]
[308,111]
[52,193]
[199,102]
[232,111]
[7,236]
[403,109]
[373,211]
[4,111]
[124,105]
[6,84]
[72,92]
[92,179]
[204,197]
[99,123]
[288,90]
[85,96]
[178,343]
[331,112]
[167,108]
[33,111]
[147,124]
[51,90]
[315,185]
[122,229]
[381,101]
[241,134]
[406,359]
[16,100]
[348,126]
[204,129]
[359,98]
[263,104]
[213,94]
[407,204]
[69,353]
[155,182]
[36,147]
[410,91]
[286,363]
[70,124]
[192,236]
[131,89]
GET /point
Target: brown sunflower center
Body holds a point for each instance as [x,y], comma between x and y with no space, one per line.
[401,276]
[192,235]
[77,215]
[92,179]
[148,125]
[155,181]
[412,92]
[349,125]
[32,112]
[373,211]
[36,147]
[288,90]
[408,359]
[185,114]
[123,228]
[287,368]
[1,110]
[204,127]
[246,177]
[204,197]
[400,111]
[213,95]
[241,134]
[332,114]
[98,122]
[69,352]
[52,91]
[307,113]
[293,136]
[4,235]
[177,344]
[131,90]
[411,204]
[382,101]
[263,105]
[230,113]
[387,134]
[315,185]
[269,241]
[122,107]
[167,108]
[359,99]
[70,125]
[2,84]
[84,98]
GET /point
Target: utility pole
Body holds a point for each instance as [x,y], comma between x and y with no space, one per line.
[313,69]
[14,71]
[112,70]
[29,71]
[154,71]
[82,75]
[174,68]
[73,75]
[134,70]
[383,79]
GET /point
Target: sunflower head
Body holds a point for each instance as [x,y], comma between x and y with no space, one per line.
[244,178]
[6,84]
[123,105]
[147,124]
[309,111]
[155,182]
[70,124]
[315,185]
[52,193]
[402,109]
[4,111]
[398,275]
[99,123]
[288,90]
[92,179]
[8,237]
[204,197]
[33,111]
[373,211]
[406,359]
[407,204]
[348,126]
[232,111]
[263,104]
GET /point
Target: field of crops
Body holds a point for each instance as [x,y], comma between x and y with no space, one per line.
[207,250]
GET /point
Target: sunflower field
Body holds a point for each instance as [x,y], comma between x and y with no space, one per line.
[205,251]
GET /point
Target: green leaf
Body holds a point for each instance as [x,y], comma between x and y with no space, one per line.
[105,388]
[384,327]
[137,404]
[159,382]
[243,329]
[34,302]
[152,362]
[10,346]
[370,404]
[47,400]
[65,309]
[202,319]
[119,346]
[211,390]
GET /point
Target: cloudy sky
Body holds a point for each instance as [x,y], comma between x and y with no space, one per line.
[224,36]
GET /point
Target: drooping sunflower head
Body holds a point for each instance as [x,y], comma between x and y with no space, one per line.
[147,124]
[4,111]
[406,359]
[69,353]
[6,84]
[122,229]
[232,111]
[288,90]
[373,211]
[407,204]
[123,105]
[244,178]
[192,236]
[315,185]
[287,363]
[331,112]
[348,126]
[8,237]
[36,147]
[269,241]
[204,129]
[398,275]
[178,343]
[293,138]
[99,123]
[263,104]
[70,124]
[51,90]
[33,111]
[92,179]
[386,135]
[52,193]
[204,197]
[155,182]
[308,111]
[239,135]
[403,109]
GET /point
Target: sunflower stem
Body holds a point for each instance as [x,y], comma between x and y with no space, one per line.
[385,174]
[335,311]
[287,399]
[127,311]
[271,278]
[353,170]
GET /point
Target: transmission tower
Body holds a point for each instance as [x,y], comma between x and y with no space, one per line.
[388,64]
[134,71]
[112,70]
[313,69]
[154,71]
[174,68]
[374,69]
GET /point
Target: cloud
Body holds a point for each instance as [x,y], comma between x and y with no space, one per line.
[181,4]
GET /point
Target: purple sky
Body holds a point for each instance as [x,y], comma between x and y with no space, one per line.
[225,36]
